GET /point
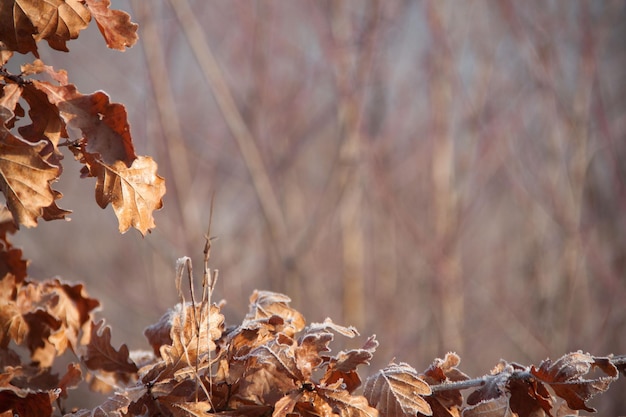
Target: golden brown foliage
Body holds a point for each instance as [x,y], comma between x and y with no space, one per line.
[100,136]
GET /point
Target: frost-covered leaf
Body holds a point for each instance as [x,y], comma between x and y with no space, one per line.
[566,376]
[192,334]
[265,304]
[347,405]
[441,371]
[343,365]
[495,407]
[397,391]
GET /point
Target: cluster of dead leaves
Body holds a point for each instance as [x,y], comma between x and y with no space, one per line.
[30,156]
[273,363]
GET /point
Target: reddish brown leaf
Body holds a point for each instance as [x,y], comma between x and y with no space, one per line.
[27,403]
[102,355]
[445,402]
[11,262]
[494,386]
[25,21]
[46,123]
[566,377]
[528,397]
[343,365]
[71,379]
[103,124]
[397,391]
[115,25]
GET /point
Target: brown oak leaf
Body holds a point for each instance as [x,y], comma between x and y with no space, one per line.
[343,365]
[71,379]
[265,304]
[25,179]
[192,334]
[134,192]
[25,175]
[103,124]
[101,355]
[344,404]
[115,25]
[24,22]
[495,407]
[398,391]
[566,376]
[445,402]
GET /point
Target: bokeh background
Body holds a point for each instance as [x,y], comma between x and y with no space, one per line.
[447,175]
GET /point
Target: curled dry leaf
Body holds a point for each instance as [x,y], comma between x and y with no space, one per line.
[24,22]
[566,377]
[343,365]
[265,304]
[115,25]
[397,391]
[445,402]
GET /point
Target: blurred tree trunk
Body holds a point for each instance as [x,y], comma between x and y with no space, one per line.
[448,285]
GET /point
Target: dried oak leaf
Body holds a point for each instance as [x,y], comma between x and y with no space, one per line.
[11,262]
[71,379]
[134,192]
[495,384]
[265,304]
[398,391]
[114,406]
[566,377]
[528,396]
[46,125]
[495,407]
[27,403]
[128,182]
[345,404]
[193,334]
[103,124]
[25,175]
[446,402]
[101,355]
[343,365]
[115,25]
[268,373]
[24,22]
